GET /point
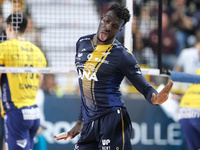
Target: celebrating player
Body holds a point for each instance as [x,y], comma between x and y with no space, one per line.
[102,62]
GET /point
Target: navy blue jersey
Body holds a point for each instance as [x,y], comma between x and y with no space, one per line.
[101,69]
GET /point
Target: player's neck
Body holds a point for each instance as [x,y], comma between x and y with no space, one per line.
[16,36]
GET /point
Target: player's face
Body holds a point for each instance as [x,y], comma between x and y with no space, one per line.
[109,27]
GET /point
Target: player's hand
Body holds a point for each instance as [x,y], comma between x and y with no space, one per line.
[162,95]
[62,136]
[72,133]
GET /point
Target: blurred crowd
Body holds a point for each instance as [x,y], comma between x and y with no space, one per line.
[180,27]
[180,34]
[180,30]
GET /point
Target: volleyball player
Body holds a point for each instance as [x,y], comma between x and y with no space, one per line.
[102,62]
[21,114]
[189,115]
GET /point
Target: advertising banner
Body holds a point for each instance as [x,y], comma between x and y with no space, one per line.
[152,129]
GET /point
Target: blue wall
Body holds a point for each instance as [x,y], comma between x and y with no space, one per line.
[152,129]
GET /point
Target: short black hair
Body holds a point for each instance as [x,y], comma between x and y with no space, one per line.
[121,11]
[18,21]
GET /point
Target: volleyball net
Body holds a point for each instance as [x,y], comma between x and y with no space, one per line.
[174,75]
[55,26]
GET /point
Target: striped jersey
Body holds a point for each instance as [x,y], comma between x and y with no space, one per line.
[101,69]
[19,89]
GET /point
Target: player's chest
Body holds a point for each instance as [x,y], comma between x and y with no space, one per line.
[94,63]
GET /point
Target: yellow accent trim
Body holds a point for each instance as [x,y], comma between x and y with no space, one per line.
[109,45]
[2,110]
[122,129]
[129,52]
[98,68]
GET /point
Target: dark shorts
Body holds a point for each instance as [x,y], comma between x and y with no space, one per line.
[110,132]
[189,119]
[191,131]
[20,127]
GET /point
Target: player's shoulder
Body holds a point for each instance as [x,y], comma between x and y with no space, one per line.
[117,46]
[6,42]
[4,46]
[33,46]
[85,38]
[125,55]
[198,71]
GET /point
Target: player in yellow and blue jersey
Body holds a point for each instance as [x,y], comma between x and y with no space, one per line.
[21,115]
[102,62]
[189,115]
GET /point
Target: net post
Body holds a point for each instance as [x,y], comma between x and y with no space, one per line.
[160,36]
[128,27]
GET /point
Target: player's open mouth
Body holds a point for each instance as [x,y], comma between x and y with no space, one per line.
[103,36]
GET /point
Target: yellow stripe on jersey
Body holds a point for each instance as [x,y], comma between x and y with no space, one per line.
[23,86]
[104,55]
[129,52]
[2,110]
[192,96]
[95,59]
[123,136]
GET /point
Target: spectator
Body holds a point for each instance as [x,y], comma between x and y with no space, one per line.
[12,6]
[2,30]
[168,41]
[188,62]
[196,24]
[183,24]
[49,84]
[50,87]
[145,21]
[31,33]
[138,41]
[192,55]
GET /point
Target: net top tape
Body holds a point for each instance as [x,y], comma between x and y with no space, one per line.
[175,76]
[47,70]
